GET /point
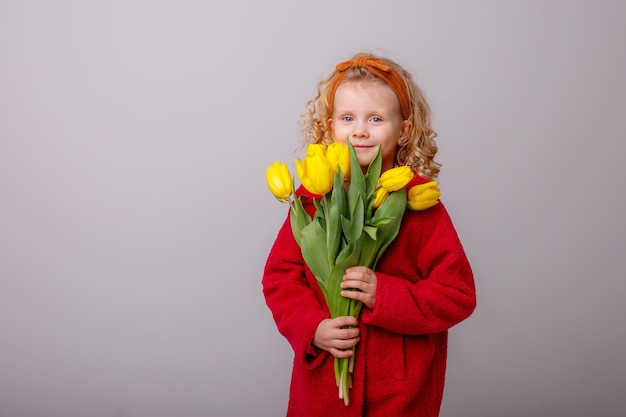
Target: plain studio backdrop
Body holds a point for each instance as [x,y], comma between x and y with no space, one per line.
[135,218]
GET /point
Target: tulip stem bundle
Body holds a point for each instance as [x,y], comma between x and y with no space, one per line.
[352,225]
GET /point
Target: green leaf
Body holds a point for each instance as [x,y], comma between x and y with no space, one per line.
[371,231]
[346,223]
[314,251]
[369,250]
[356,224]
[335,212]
[373,172]
[319,213]
[298,218]
[357,188]
[393,208]
[377,222]
[339,305]
[349,251]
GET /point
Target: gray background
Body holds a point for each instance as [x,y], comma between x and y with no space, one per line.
[135,218]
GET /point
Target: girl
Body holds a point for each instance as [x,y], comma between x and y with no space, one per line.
[423,284]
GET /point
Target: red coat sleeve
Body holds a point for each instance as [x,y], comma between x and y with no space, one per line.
[425,282]
[296,303]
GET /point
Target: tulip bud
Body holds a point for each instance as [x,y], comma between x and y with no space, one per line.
[339,157]
[381,196]
[423,196]
[279,180]
[315,149]
[395,178]
[316,174]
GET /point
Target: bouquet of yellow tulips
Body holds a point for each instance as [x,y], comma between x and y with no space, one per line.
[354,221]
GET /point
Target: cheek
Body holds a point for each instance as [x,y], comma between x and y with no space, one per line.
[390,144]
[389,149]
[340,135]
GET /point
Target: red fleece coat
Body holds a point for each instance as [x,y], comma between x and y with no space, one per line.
[425,286]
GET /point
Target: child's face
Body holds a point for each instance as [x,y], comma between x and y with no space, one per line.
[369,114]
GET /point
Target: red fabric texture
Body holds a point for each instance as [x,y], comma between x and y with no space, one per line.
[425,286]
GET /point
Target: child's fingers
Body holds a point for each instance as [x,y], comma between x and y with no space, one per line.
[356,285]
[345,343]
[343,321]
[362,296]
[347,334]
[360,278]
[341,346]
[357,269]
[359,273]
[341,353]
[359,291]
[335,335]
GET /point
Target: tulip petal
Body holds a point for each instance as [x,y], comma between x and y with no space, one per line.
[279,180]
[339,157]
[316,174]
[423,196]
[316,149]
[395,178]
[381,195]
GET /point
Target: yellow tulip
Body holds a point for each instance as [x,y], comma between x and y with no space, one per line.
[339,157]
[316,174]
[279,180]
[396,178]
[315,149]
[381,196]
[423,196]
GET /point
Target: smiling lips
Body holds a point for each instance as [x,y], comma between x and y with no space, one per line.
[360,147]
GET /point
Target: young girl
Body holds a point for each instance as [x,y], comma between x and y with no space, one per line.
[423,284]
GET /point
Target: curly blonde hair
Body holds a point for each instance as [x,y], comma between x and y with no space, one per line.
[417,151]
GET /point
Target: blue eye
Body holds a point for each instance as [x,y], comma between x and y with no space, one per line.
[376,119]
[347,118]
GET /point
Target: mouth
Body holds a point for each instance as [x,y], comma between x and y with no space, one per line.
[361,146]
[363,149]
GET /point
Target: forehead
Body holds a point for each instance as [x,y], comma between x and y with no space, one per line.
[371,93]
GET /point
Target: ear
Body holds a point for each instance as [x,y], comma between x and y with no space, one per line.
[405,131]
[330,125]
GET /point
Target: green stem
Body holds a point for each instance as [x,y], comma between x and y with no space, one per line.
[326,207]
[344,381]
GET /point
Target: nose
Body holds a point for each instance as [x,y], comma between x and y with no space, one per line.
[360,130]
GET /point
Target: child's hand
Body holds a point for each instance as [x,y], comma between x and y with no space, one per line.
[362,279]
[332,337]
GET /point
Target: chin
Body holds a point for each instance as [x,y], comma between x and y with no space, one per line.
[365,162]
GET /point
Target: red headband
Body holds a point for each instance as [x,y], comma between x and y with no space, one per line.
[380,69]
